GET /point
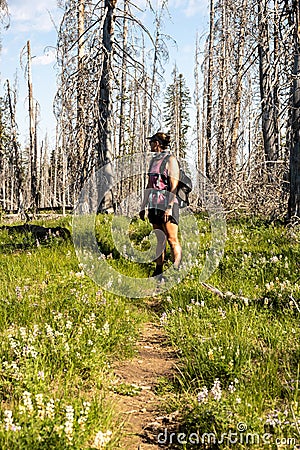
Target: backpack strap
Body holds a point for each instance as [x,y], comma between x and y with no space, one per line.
[162,168]
[164,163]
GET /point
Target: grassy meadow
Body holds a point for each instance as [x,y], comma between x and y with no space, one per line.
[238,369]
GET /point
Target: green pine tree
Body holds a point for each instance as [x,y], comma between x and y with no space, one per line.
[176,114]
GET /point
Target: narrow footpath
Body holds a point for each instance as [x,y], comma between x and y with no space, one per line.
[143,413]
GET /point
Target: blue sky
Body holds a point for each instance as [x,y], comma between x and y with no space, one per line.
[35,21]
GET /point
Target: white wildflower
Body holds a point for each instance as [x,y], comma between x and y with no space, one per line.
[8,419]
[40,405]
[84,414]
[35,331]
[106,328]
[49,331]
[216,390]
[79,274]
[270,286]
[9,422]
[69,325]
[231,388]
[210,354]
[222,313]
[23,332]
[101,439]
[202,396]
[27,401]
[68,428]
[19,292]
[41,375]
[49,410]
[163,318]
[67,347]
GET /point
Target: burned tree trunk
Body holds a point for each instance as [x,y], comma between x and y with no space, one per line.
[266,85]
[105,102]
[209,102]
[238,93]
[80,91]
[294,200]
[123,82]
[197,96]
[32,166]
[16,151]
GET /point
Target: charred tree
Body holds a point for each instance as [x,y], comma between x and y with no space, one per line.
[105,126]
[266,84]
[294,199]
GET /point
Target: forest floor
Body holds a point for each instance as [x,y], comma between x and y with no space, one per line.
[143,413]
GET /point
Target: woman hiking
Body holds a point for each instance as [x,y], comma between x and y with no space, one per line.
[160,198]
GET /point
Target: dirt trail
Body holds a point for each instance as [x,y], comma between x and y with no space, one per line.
[143,413]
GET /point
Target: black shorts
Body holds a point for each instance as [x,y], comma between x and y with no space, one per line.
[156,215]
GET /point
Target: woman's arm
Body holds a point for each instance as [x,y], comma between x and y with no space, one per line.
[173,173]
[145,200]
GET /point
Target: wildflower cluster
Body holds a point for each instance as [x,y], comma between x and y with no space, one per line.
[215,392]
[279,294]
[67,425]
[102,439]
[9,424]
[285,419]
[61,340]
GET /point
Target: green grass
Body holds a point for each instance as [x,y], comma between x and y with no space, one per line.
[238,355]
[59,333]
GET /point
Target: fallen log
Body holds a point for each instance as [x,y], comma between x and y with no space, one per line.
[38,231]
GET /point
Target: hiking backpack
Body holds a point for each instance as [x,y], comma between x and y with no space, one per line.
[185,184]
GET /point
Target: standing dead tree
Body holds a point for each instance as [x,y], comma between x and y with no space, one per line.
[268,84]
[160,54]
[4,14]
[11,165]
[32,112]
[208,97]
[197,101]
[105,124]
[80,81]
[294,198]
[16,175]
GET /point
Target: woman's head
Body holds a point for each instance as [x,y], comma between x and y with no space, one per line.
[162,138]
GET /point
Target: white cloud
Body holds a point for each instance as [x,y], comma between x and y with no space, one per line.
[190,7]
[195,7]
[188,49]
[4,51]
[28,15]
[42,60]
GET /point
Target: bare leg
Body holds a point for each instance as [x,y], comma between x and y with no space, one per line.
[171,230]
[160,249]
